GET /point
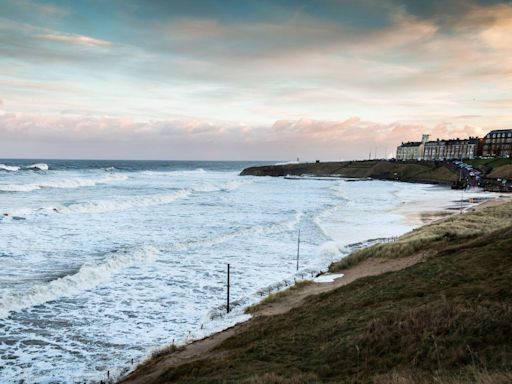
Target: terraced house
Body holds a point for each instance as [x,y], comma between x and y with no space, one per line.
[498,143]
[451,149]
[412,150]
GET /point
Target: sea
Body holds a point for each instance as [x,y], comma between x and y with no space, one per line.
[104,262]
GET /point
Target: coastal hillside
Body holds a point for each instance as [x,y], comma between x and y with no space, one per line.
[495,168]
[447,318]
[413,171]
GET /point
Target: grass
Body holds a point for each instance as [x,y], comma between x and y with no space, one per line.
[445,320]
[489,163]
[494,168]
[163,351]
[416,171]
[431,238]
[273,297]
[472,376]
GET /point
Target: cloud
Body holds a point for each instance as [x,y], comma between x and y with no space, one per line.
[280,61]
[353,138]
[74,39]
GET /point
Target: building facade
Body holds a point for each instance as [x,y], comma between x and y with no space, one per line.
[451,149]
[412,150]
[498,143]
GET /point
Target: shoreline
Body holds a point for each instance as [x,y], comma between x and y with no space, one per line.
[203,347]
[172,356]
[442,172]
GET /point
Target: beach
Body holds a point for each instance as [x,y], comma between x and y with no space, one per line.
[132,256]
[210,348]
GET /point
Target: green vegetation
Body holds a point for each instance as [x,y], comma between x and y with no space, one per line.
[431,238]
[445,320]
[273,297]
[494,167]
[165,350]
[414,171]
[492,163]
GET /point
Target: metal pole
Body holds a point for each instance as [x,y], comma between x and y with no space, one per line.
[461,199]
[228,293]
[298,250]
[461,191]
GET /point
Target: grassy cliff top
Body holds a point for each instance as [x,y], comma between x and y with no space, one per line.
[414,171]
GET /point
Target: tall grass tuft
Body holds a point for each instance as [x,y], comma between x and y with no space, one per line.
[428,238]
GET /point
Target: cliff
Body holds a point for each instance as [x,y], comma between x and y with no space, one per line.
[413,171]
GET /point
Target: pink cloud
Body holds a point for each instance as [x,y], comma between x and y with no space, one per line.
[74,39]
[199,139]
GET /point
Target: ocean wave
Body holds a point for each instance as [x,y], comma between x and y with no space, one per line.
[87,277]
[37,167]
[282,226]
[61,183]
[147,200]
[287,162]
[119,204]
[173,173]
[9,168]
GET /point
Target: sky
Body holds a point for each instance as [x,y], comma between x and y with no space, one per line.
[249,80]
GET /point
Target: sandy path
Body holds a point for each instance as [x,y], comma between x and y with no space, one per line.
[203,348]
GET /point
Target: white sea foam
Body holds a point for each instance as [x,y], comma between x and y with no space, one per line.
[127,203]
[124,203]
[87,277]
[37,167]
[192,172]
[108,303]
[157,199]
[281,226]
[62,183]
[328,277]
[287,162]
[9,168]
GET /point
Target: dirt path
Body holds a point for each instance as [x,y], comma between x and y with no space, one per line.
[149,371]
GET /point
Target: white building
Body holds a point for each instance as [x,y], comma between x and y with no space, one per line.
[451,149]
[412,150]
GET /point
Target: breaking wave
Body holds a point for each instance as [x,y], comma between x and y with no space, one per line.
[62,183]
[174,173]
[147,200]
[87,277]
[37,167]
[119,204]
[9,168]
[282,226]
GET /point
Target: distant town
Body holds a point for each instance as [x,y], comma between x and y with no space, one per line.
[497,143]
